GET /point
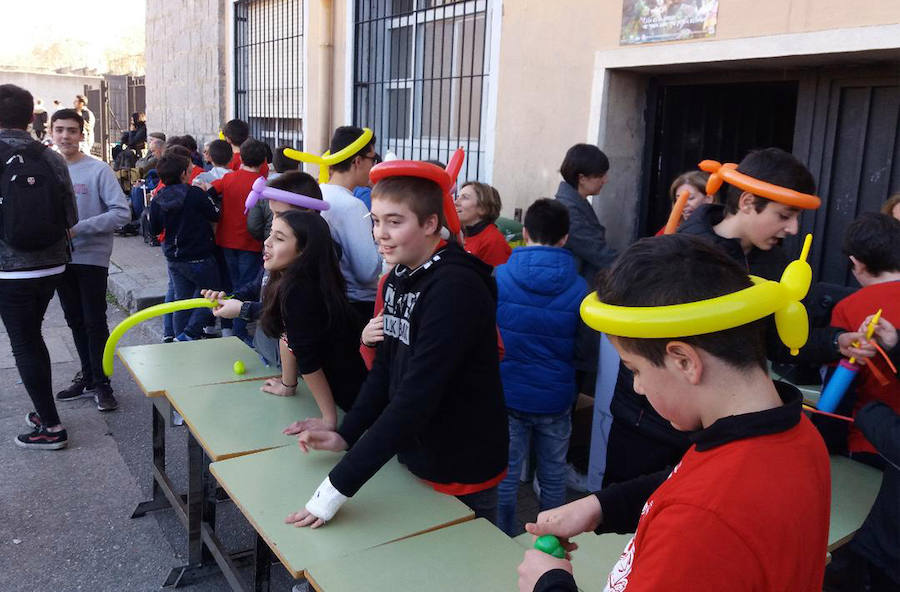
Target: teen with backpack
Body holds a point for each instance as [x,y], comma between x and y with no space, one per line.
[37,207]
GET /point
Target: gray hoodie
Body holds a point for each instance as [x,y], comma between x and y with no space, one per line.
[101,209]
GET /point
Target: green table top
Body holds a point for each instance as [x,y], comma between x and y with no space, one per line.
[267,486]
[854,487]
[237,418]
[853,490]
[475,555]
[161,366]
[594,558]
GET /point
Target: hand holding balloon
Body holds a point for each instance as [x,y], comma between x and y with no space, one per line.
[885,332]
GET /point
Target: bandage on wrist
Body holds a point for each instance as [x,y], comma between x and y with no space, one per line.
[326,501]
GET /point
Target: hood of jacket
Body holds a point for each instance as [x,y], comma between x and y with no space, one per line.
[171,197]
[545,270]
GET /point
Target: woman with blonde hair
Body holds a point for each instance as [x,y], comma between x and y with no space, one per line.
[478,206]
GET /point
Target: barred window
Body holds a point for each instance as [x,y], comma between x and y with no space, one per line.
[268,69]
[420,77]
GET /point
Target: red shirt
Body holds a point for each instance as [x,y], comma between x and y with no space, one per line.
[751,514]
[231,232]
[194,172]
[489,245]
[236,164]
[849,314]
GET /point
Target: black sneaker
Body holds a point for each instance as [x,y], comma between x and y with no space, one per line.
[103,395]
[76,390]
[33,420]
[41,439]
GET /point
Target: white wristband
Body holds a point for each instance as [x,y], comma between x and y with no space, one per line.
[326,501]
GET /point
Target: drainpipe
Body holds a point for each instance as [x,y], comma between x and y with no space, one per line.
[326,71]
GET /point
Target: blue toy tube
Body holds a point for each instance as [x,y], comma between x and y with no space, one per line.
[834,391]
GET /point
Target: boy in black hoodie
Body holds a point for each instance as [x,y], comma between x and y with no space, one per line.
[186,214]
[433,396]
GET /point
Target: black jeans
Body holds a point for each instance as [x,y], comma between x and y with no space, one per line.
[82,294]
[22,307]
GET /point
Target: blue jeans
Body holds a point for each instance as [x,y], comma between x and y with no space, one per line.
[168,323]
[551,434]
[188,278]
[243,267]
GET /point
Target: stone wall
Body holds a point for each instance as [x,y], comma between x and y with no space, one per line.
[188,53]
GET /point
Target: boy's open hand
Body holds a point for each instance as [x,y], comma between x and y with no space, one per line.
[304,518]
[373,331]
[535,564]
[321,440]
[885,332]
[309,424]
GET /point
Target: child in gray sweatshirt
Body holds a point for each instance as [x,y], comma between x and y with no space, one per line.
[102,207]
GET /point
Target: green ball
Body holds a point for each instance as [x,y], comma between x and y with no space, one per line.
[550,545]
[239,367]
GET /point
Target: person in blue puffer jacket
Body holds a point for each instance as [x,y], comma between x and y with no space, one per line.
[539,294]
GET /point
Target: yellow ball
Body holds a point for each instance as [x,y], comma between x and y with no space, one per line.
[239,367]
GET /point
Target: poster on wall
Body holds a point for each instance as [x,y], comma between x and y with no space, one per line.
[649,21]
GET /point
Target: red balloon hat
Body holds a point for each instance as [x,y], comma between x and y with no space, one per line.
[445,178]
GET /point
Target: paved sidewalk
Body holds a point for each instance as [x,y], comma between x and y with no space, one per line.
[137,273]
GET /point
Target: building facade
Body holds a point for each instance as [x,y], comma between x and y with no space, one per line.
[516,82]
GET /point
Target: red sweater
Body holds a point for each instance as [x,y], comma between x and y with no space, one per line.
[236,165]
[488,244]
[751,514]
[848,314]
[231,232]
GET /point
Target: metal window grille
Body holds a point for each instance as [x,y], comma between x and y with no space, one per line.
[268,69]
[421,71]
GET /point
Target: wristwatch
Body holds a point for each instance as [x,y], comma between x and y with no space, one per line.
[245,311]
[835,346]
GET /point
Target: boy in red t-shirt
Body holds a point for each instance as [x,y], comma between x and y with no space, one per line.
[726,516]
[242,252]
[872,242]
[236,132]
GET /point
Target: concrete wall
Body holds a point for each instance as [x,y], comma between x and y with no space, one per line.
[187,65]
[50,86]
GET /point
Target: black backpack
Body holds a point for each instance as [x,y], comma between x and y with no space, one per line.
[32,211]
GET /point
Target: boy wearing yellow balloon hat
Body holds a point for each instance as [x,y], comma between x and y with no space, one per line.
[727,512]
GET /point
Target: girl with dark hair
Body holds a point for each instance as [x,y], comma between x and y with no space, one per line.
[305,302]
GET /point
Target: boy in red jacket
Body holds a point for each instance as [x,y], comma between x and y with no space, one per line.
[726,517]
[872,242]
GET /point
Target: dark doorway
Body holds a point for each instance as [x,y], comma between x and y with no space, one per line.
[711,121]
[855,156]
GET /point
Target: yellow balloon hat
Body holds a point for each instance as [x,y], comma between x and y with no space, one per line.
[328,159]
[763,298]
